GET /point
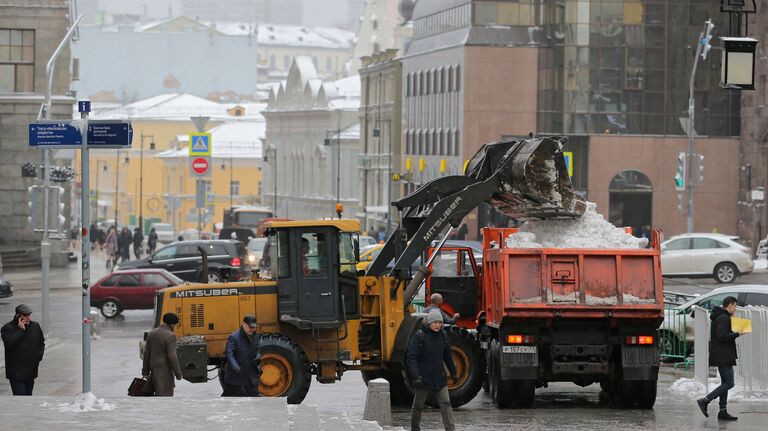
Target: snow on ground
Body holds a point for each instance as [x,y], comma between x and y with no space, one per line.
[761,264]
[693,390]
[590,231]
[86,402]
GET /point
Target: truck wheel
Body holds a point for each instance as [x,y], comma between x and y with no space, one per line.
[501,393]
[285,369]
[470,366]
[400,392]
[726,272]
[640,394]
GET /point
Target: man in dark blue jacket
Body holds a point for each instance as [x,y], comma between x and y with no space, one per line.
[24,347]
[241,377]
[722,354]
[428,350]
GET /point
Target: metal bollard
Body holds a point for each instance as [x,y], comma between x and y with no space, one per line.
[95,325]
[377,402]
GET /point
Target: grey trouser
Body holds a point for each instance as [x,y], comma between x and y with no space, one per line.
[441,395]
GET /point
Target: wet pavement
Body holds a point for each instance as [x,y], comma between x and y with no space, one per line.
[115,362]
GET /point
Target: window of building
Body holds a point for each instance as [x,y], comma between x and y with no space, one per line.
[408,85]
[328,64]
[376,48]
[286,62]
[375,24]
[234,188]
[428,144]
[436,81]
[456,142]
[428,83]
[433,137]
[17,61]
[457,79]
[272,61]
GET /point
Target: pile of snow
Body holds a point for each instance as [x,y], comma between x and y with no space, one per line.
[694,390]
[761,264]
[86,402]
[590,231]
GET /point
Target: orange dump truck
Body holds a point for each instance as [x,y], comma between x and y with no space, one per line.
[554,314]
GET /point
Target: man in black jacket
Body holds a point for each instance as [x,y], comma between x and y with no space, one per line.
[428,350]
[24,347]
[243,361]
[722,354]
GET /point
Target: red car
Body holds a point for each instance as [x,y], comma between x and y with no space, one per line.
[131,289]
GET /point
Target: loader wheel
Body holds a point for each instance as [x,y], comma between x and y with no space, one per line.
[285,369]
[470,366]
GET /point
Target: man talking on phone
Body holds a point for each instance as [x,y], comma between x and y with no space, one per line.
[24,346]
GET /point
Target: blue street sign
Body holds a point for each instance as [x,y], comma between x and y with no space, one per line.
[54,134]
[109,134]
[84,106]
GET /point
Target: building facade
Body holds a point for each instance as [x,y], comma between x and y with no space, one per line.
[606,73]
[30,31]
[311,145]
[380,133]
[253,11]
[753,163]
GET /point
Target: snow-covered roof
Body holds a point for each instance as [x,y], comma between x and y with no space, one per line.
[240,139]
[352,132]
[173,106]
[349,86]
[267,34]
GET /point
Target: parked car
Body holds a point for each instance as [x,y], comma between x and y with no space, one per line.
[130,290]
[366,241]
[705,255]
[238,233]
[6,288]
[678,321]
[164,232]
[256,251]
[183,259]
[367,254]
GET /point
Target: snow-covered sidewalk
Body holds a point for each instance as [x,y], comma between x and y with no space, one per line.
[694,390]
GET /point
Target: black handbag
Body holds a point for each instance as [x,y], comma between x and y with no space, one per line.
[139,387]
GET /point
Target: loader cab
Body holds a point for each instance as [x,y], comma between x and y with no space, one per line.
[455,275]
[313,264]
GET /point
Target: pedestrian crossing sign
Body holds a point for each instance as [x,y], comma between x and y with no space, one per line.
[199,144]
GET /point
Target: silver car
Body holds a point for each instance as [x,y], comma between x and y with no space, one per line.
[705,255]
[676,331]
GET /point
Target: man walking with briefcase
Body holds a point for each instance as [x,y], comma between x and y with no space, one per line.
[161,363]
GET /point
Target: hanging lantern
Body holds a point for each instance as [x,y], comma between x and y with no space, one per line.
[738,63]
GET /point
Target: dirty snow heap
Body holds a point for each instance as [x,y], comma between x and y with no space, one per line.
[590,231]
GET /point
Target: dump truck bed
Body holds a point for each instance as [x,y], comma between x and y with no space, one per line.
[570,283]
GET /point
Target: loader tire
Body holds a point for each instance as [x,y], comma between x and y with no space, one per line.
[469,360]
[286,371]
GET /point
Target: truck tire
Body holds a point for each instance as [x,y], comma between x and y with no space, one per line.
[518,393]
[636,394]
[286,371]
[470,366]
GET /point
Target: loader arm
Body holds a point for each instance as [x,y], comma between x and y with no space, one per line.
[521,178]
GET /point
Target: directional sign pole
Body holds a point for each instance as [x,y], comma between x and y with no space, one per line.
[84,107]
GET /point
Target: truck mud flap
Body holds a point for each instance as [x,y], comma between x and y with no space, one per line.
[515,365]
[640,362]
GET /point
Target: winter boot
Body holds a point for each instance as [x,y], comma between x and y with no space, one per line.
[703,402]
[725,416]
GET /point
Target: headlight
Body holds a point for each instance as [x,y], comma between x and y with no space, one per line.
[251,259]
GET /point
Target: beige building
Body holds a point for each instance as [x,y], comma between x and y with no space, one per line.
[30,30]
[312,144]
[380,133]
[381,28]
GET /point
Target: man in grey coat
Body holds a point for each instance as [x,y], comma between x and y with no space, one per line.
[161,363]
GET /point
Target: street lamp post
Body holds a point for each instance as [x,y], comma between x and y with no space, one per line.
[141,177]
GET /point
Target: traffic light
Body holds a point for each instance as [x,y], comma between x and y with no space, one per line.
[705,46]
[681,203]
[698,169]
[680,177]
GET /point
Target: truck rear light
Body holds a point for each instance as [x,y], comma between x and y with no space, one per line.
[521,339]
[234,262]
[640,339]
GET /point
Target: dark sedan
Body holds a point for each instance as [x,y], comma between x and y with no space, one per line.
[132,289]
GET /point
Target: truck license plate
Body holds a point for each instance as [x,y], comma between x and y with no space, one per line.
[519,349]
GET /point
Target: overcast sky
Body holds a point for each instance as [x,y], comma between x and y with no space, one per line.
[316,12]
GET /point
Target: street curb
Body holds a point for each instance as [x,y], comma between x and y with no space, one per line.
[50,343]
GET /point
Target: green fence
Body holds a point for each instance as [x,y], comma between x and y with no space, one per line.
[673,344]
[418,305]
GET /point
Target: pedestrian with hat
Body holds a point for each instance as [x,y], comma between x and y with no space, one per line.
[428,350]
[161,363]
[24,347]
[243,361]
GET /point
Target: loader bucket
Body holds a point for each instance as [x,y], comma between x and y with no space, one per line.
[531,178]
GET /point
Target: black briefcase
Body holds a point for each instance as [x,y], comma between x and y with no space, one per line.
[136,389]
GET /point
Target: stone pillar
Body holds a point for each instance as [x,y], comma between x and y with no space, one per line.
[377,402]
